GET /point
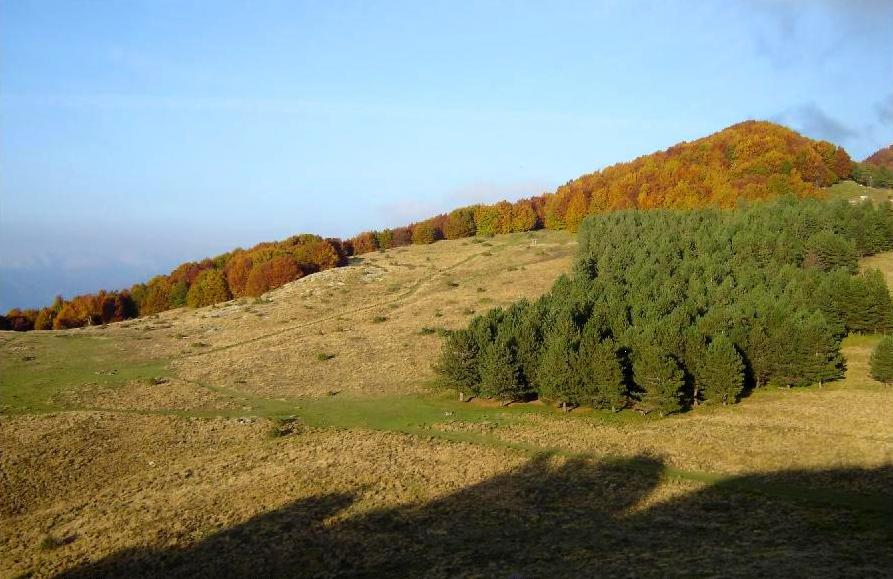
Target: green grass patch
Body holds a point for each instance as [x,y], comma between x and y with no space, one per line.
[66,361]
[850,190]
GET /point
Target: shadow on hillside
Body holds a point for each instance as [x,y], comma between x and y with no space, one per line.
[561,519]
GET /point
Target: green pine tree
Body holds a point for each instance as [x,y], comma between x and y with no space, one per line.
[458,363]
[722,372]
[879,302]
[500,372]
[661,380]
[600,374]
[881,361]
[557,373]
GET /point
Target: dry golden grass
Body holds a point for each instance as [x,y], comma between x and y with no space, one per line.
[174,471]
[108,481]
[883,262]
[370,316]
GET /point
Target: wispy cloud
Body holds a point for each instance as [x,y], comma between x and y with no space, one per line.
[885,111]
[810,119]
[787,38]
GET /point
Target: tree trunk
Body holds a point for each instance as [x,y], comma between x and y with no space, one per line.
[461,396]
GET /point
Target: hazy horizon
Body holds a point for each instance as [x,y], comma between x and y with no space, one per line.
[136,136]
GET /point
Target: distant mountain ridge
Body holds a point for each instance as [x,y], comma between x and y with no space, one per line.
[877,169]
[881,157]
[752,160]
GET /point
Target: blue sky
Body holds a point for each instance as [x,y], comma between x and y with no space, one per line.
[135,135]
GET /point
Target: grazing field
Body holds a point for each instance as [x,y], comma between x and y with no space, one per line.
[850,190]
[298,435]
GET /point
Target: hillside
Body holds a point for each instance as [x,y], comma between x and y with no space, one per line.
[876,170]
[856,192]
[881,158]
[753,160]
[295,434]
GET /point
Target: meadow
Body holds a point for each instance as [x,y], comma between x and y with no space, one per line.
[300,434]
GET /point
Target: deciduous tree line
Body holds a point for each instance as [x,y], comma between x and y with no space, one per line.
[669,309]
[239,273]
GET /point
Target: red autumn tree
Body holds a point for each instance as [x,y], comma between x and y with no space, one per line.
[281,270]
[365,242]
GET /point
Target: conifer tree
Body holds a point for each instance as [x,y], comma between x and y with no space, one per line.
[878,302]
[600,373]
[557,373]
[500,373]
[528,338]
[722,372]
[881,361]
[827,250]
[661,380]
[458,363]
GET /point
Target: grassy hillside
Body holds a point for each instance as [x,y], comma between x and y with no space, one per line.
[852,191]
[881,157]
[296,435]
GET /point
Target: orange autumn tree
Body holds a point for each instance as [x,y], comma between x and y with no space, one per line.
[523,216]
[460,223]
[424,233]
[237,271]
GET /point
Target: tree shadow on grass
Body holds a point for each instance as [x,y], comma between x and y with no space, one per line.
[561,518]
